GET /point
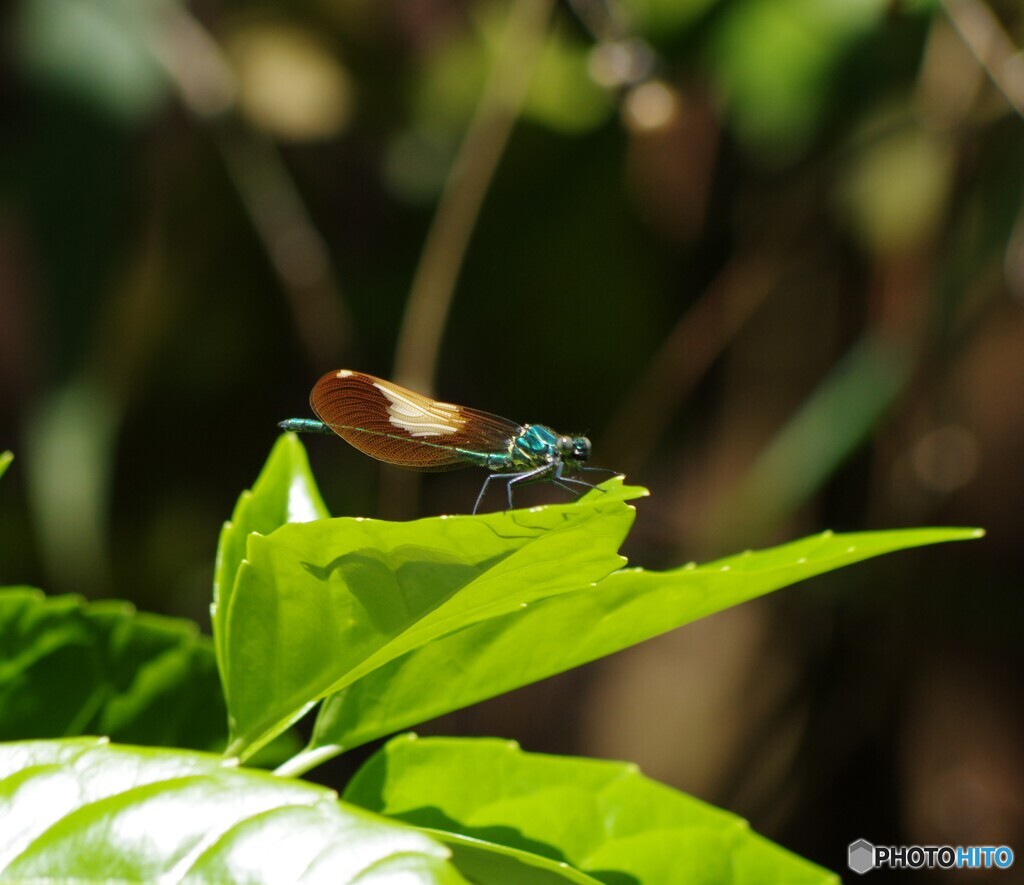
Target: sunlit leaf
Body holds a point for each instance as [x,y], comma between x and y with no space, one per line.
[509,649]
[604,818]
[405,621]
[284,492]
[139,815]
[320,605]
[5,461]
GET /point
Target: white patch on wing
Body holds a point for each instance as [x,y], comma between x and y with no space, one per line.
[426,418]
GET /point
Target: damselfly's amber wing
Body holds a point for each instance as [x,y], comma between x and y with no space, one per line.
[398,426]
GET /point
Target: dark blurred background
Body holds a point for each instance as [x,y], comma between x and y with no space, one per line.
[769,254]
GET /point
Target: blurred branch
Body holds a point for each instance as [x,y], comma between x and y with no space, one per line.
[430,297]
[297,252]
[812,444]
[981,31]
[842,411]
[295,248]
[696,341]
[70,440]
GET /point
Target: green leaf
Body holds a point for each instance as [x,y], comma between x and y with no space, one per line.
[83,810]
[604,818]
[284,492]
[5,461]
[486,658]
[318,606]
[71,668]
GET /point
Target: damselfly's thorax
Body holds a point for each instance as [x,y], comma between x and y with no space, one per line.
[537,445]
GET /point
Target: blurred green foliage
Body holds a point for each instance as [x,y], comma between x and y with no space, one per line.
[103,52]
[72,669]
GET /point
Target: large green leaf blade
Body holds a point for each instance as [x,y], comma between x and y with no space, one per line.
[604,818]
[321,605]
[516,648]
[284,492]
[133,814]
[71,667]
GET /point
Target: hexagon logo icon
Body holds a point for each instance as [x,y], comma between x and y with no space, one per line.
[861,857]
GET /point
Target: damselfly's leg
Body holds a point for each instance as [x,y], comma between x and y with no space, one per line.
[555,469]
[511,477]
[529,474]
[577,482]
[598,469]
[483,489]
[580,482]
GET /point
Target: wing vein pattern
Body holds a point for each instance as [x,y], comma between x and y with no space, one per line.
[401,427]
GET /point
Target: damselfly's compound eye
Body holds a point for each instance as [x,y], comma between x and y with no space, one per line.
[581,449]
[564,446]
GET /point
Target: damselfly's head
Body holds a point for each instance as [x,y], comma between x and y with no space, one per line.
[574,448]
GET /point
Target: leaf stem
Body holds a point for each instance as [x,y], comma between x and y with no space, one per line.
[308,759]
[430,297]
[297,252]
